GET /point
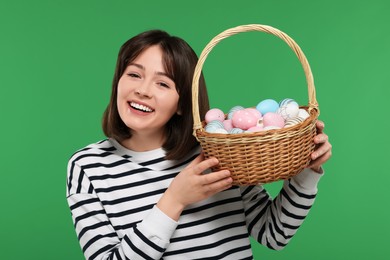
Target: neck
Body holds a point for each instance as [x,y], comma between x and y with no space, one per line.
[143,142]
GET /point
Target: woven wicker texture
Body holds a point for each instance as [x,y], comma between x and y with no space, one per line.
[261,157]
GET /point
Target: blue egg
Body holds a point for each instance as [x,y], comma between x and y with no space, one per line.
[213,126]
[210,128]
[216,124]
[236,131]
[267,105]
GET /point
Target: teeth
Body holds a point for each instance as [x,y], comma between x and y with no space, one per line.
[141,107]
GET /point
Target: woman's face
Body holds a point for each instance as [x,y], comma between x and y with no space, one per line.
[147,97]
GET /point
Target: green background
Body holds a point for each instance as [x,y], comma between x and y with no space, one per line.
[56,65]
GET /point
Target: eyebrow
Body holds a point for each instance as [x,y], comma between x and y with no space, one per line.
[143,68]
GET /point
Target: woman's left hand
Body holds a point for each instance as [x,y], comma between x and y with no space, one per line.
[323,149]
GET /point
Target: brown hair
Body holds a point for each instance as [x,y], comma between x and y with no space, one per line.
[179,62]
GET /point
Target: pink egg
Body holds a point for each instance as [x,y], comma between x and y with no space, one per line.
[214,114]
[273,119]
[228,124]
[255,112]
[244,119]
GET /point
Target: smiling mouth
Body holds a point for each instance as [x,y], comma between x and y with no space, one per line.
[140,107]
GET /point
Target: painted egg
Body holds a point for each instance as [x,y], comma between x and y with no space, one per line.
[260,122]
[254,129]
[220,131]
[236,131]
[289,110]
[214,114]
[287,101]
[255,112]
[273,119]
[244,119]
[303,113]
[227,124]
[234,109]
[271,127]
[267,105]
[212,126]
[294,121]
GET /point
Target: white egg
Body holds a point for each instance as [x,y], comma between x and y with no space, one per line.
[289,110]
[303,113]
[271,127]
[260,122]
[287,101]
[294,121]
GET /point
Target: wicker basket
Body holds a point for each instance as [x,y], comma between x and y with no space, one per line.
[261,157]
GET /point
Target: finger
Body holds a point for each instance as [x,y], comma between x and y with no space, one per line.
[320,138]
[219,186]
[321,160]
[320,126]
[196,161]
[321,150]
[204,165]
[215,176]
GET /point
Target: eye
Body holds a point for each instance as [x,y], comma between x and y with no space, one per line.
[133,75]
[163,84]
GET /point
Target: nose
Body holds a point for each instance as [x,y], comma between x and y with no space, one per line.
[144,89]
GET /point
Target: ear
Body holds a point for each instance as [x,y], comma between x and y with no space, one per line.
[179,112]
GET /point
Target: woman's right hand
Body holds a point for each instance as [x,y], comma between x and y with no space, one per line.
[192,185]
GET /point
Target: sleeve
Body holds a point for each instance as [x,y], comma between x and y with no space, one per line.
[273,222]
[98,238]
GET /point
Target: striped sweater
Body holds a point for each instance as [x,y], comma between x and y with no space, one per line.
[112,193]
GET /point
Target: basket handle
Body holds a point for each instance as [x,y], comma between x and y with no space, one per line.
[246,28]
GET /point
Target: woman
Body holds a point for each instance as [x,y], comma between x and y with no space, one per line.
[141,193]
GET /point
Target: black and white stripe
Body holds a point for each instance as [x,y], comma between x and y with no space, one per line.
[112,194]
